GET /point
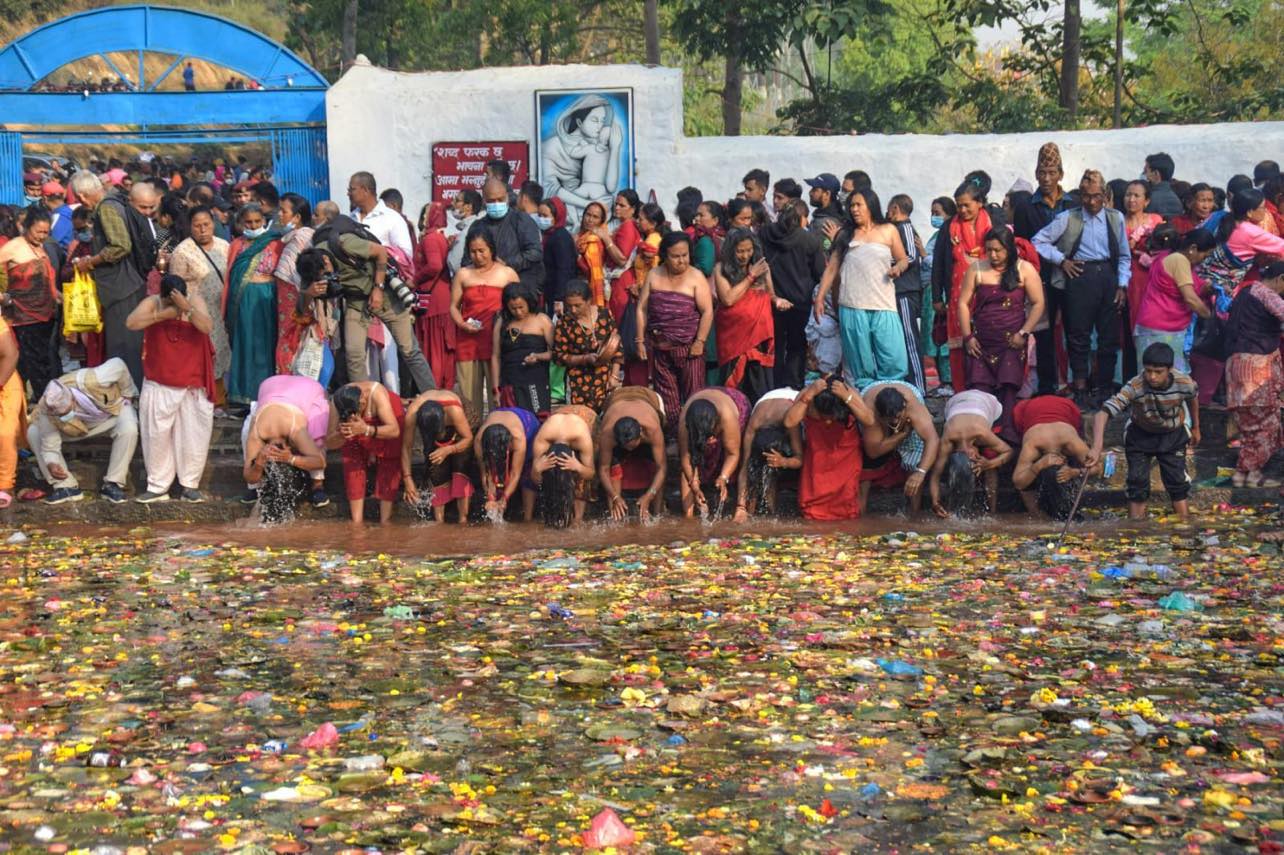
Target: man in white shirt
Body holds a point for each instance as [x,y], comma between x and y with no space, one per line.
[386,224]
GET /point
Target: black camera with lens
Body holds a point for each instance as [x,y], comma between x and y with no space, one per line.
[333,287]
[402,293]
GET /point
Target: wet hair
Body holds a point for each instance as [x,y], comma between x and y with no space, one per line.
[485,237]
[1159,355]
[557,490]
[472,199]
[1242,204]
[769,438]
[671,240]
[347,401]
[432,424]
[702,423]
[902,202]
[655,214]
[170,283]
[517,291]
[303,208]
[1165,236]
[731,268]
[958,486]
[1163,164]
[947,205]
[496,444]
[35,214]
[830,406]
[628,194]
[859,178]
[889,402]
[627,430]
[1054,497]
[1011,278]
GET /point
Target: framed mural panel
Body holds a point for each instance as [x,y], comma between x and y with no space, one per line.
[584,145]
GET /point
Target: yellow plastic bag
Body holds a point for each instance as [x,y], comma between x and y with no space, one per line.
[80,309]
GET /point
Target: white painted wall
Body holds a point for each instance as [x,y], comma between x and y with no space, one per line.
[386,122]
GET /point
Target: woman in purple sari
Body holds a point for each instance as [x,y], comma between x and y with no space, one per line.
[996,323]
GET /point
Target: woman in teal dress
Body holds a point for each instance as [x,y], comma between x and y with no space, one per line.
[249,304]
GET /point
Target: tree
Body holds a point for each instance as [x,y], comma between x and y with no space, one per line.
[747,36]
[651,27]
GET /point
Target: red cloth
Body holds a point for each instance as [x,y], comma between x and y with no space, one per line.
[634,472]
[481,302]
[178,355]
[746,332]
[886,475]
[1046,410]
[829,488]
[968,245]
[626,239]
[436,336]
[385,454]
[432,276]
[1277,215]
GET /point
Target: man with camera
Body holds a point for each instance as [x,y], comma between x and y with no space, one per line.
[352,265]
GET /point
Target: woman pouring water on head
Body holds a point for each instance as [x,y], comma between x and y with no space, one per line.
[287,424]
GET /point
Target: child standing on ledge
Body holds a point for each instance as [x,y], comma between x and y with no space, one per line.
[1157,401]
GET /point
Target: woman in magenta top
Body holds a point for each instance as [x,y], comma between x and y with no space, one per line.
[1174,292]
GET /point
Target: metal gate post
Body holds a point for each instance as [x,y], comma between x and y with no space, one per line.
[300,163]
[11,192]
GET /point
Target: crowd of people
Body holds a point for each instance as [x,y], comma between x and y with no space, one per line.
[492,347]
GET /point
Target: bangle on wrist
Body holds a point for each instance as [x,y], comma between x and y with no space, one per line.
[920,470]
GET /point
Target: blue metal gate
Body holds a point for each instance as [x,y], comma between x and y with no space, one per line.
[11,192]
[300,163]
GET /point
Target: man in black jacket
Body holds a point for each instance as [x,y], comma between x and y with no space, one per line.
[1158,171]
[797,261]
[515,234]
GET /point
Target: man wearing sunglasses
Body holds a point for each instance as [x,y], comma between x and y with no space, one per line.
[1089,249]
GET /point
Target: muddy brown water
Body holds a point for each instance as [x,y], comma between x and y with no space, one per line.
[431,539]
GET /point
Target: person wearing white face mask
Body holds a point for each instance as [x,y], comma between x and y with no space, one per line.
[294,215]
[467,207]
[515,234]
[249,304]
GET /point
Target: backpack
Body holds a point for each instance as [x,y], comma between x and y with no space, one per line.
[327,237]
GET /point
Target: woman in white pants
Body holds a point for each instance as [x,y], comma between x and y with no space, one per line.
[176,406]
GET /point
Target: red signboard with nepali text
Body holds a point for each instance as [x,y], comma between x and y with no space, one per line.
[461,165]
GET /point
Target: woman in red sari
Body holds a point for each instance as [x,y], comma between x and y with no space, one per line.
[831,412]
[476,296]
[434,328]
[966,232]
[743,320]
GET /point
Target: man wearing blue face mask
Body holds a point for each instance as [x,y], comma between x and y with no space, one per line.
[516,237]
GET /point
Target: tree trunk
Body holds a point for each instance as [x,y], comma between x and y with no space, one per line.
[1070,61]
[651,26]
[731,92]
[1119,60]
[349,35]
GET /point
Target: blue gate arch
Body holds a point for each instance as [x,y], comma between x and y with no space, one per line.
[288,110]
